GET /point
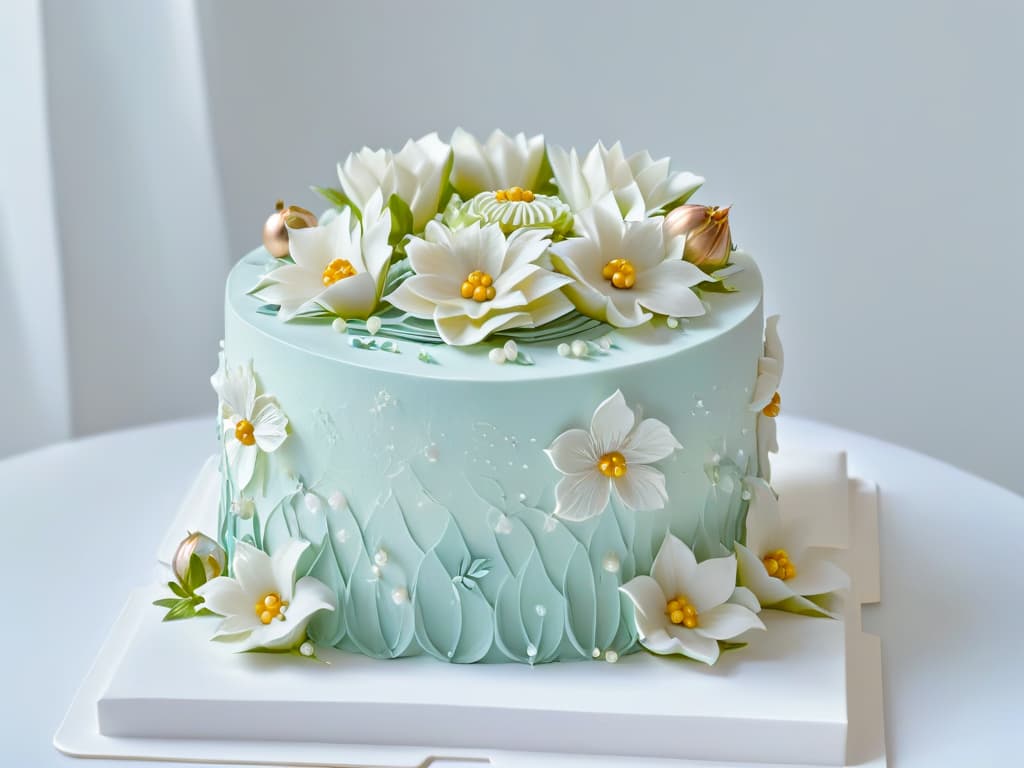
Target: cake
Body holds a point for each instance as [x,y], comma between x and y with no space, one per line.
[501,402]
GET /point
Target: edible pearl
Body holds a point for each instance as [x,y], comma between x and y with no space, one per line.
[564,350]
[312,502]
[380,557]
[511,350]
[611,563]
[339,325]
[307,649]
[373,325]
[399,595]
[579,348]
[611,657]
[497,356]
[337,500]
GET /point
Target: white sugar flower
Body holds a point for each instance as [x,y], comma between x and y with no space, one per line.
[339,266]
[777,565]
[615,454]
[474,282]
[263,606]
[416,174]
[641,185]
[686,607]
[626,270]
[252,424]
[501,162]
[766,398]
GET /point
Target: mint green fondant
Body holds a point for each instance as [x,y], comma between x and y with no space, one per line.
[442,466]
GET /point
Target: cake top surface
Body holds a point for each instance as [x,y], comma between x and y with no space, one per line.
[449,255]
[602,347]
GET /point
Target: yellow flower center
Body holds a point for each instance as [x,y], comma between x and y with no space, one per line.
[478,286]
[244,432]
[773,408]
[612,464]
[679,611]
[514,195]
[337,270]
[271,607]
[620,272]
[777,564]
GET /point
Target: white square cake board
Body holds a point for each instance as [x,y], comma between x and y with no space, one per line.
[807,692]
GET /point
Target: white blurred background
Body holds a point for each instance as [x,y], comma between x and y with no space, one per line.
[872,151]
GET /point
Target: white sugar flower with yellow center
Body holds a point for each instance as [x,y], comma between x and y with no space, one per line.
[626,271]
[685,607]
[766,400]
[640,185]
[474,282]
[252,424]
[614,455]
[339,266]
[263,605]
[776,563]
[417,174]
[500,162]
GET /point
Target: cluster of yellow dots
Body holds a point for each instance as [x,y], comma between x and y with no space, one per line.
[478,286]
[620,272]
[244,432]
[337,270]
[777,564]
[679,611]
[773,408]
[271,607]
[612,464]
[514,195]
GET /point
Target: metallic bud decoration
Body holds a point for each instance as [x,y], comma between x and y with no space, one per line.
[275,231]
[708,240]
[212,555]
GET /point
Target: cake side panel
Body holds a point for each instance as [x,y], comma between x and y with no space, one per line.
[428,502]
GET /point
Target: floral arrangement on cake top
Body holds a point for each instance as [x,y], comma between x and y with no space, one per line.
[459,242]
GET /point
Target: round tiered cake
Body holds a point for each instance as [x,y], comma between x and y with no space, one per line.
[499,403]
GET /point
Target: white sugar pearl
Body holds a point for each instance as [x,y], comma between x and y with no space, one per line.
[504,525]
[541,610]
[596,653]
[337,500]
[376,571]
[244,508]
[564,350]
[531,650]
[611,563]
[605,343]
[497,356]
[511,350]
[611,657]
[341,536]
[672,322]
[307,649]
[380,557]
[373,325]
[312,502]
[399,595]
[579,348]
[340,325]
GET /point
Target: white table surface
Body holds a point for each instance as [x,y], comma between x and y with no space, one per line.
[82,521]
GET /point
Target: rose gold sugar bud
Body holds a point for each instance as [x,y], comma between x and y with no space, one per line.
[275,230]
[210,553]
[708,240]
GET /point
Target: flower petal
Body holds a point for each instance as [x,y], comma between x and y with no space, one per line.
[612,422]
[582,496]
[350,297]
[283,564]
[651,440]
[642,488]
[714,583]
[649,603]
[746,598]
[269,424]
[726,621]
[764,518]
[665,292]
[572,452]
[674,566]
[692,644]
[253,571]
[225,596]
[817,575]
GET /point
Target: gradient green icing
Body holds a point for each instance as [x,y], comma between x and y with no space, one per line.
[442,467]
